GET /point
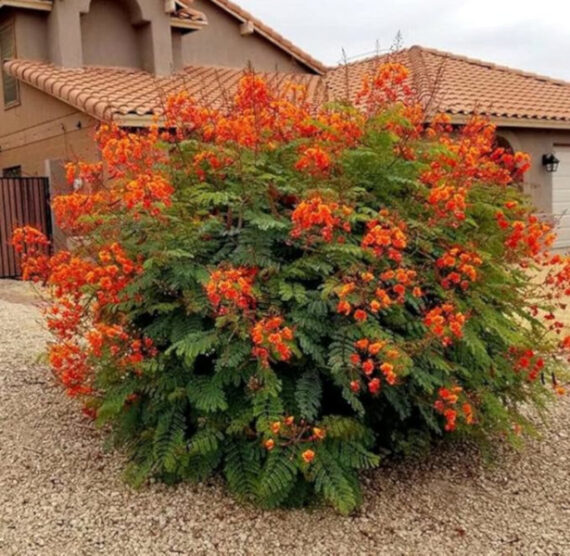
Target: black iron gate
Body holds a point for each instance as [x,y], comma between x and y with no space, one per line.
[23,202]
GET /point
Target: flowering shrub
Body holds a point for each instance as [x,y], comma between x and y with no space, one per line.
[276,291]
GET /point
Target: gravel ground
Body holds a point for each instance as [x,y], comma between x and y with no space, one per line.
[61,494]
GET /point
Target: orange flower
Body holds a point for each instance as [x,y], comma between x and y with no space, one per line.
[271,338]
[318,433]
[269,444]
[374,386]
[355,359]
[360,315]
[376,348]
[368,367]
[308,456]
[362,344]
[315,218]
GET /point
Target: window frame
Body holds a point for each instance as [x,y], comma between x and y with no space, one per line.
[10,27]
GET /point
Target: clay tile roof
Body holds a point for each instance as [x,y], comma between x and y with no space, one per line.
[461,86]
[115,94]
[443,82]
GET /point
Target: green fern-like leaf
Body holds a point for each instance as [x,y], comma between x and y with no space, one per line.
[308,394]
[207,394]
[277,477]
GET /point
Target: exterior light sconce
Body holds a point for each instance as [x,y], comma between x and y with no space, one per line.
[550,163]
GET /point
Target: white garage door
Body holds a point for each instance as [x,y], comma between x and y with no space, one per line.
[561,196]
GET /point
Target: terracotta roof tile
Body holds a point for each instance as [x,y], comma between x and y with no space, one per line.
[462,86]
[107,93]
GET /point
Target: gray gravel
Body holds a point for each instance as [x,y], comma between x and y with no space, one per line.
[61,494]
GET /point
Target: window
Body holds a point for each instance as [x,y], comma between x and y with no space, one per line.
[12,172]
[10,85]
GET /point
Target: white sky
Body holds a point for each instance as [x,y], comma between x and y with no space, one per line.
[533,35]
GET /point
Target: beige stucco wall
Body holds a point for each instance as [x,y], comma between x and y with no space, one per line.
[41,128]
[536,142]
[109,37]
[32,156]
[31,35]
[149,18]
[221,44]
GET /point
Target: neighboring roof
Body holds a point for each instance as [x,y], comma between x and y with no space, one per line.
[461,86]
[270,34]
[131,97]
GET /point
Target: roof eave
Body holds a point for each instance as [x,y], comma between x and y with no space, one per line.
[187,25]
[136,120]
[530,123]
[27,4]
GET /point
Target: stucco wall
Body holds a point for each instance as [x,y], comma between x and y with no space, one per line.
[108,36]
[220,43]
[153,50]
[41,128]
[31,35]
[536,142]
[69,145]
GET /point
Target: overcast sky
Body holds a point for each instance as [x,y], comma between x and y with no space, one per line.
[524,34]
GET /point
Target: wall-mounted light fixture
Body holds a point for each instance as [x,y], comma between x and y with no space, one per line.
[550,162]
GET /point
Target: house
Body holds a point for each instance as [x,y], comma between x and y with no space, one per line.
[69,64]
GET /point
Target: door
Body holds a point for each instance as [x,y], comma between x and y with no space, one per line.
[561,196]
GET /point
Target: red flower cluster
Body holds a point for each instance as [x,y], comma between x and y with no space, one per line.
[385,236]
[367,292]
[464,161]
[271,338]
[527,361]
[374,356]
[446,406]
[529,238]
[314,160]
[318,218]
[210,162]
[230,288]
[445,323]
[462,266]
[386,86]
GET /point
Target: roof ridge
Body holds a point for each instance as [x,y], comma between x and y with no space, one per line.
[491,65]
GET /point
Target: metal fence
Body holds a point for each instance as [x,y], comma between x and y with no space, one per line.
[23,202]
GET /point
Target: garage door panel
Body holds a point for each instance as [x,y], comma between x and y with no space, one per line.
[561,208]
[561,196]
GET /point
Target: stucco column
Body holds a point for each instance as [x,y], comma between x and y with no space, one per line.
[64,36]
[157,44]
[147,16]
